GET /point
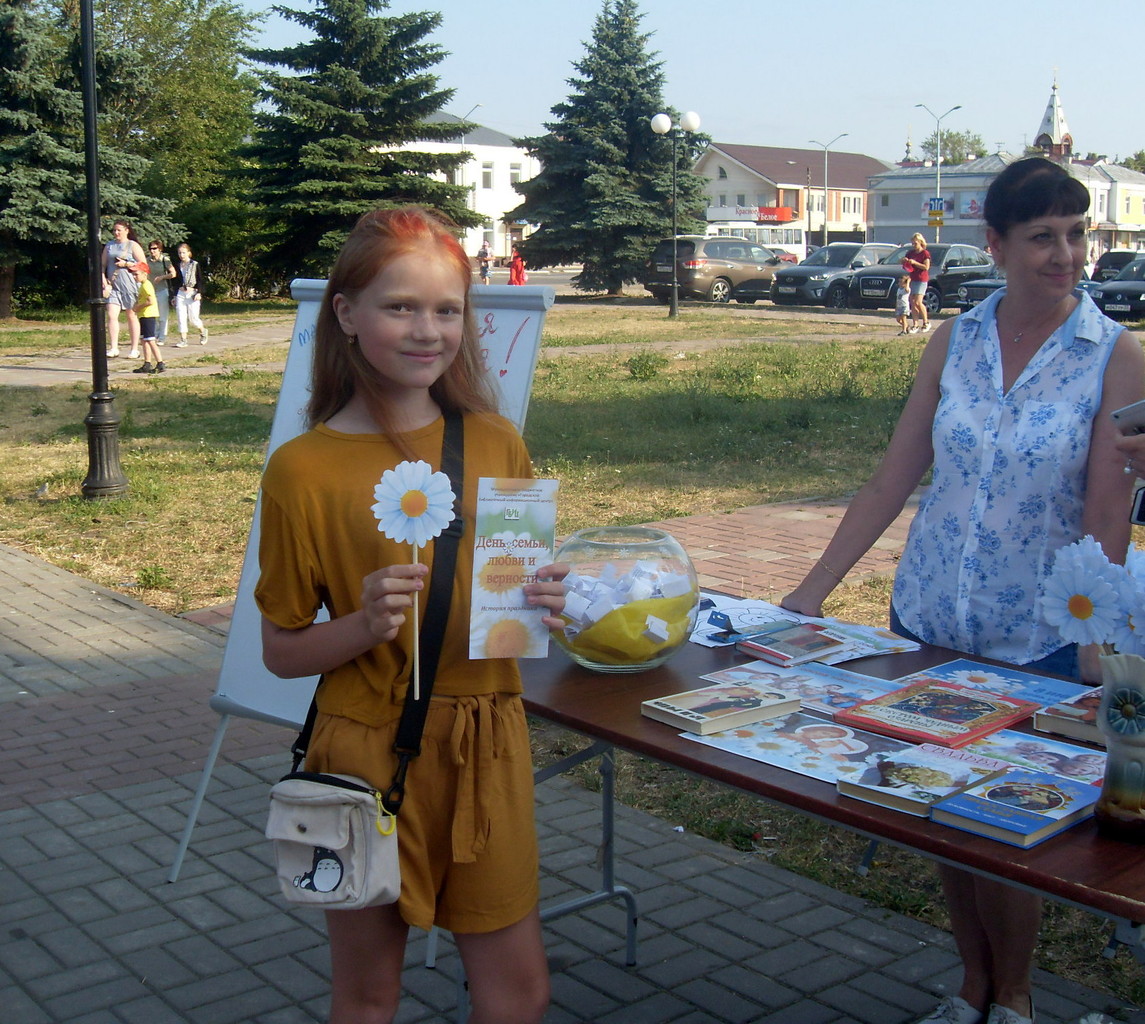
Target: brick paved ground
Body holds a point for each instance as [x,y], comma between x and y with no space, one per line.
[105,724]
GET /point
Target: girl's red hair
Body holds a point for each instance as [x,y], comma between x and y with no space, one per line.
[340,370]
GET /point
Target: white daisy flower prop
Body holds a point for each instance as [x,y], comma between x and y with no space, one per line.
[1082,597]
[1129,636]
[413,504]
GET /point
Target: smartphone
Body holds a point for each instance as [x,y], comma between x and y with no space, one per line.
[1130,419]
[1137,516]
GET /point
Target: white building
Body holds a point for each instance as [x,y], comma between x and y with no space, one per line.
[494,166]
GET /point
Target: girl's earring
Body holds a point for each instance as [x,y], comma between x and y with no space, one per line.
[352,339]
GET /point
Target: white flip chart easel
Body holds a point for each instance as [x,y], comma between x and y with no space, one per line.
[509,320]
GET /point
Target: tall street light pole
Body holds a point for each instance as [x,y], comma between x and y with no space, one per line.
[826,146]
[662,125]
[938,155]
[105,478]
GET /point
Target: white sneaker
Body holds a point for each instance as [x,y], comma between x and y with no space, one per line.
[134,354]
[180,344]
[113,353]
[952,1010]
[203,337]
[1004,1015]
[925,327]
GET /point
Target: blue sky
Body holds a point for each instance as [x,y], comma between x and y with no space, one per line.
[745,66]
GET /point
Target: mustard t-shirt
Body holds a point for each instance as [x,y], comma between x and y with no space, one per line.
[319,540]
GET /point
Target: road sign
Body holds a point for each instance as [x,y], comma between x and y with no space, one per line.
[937,205]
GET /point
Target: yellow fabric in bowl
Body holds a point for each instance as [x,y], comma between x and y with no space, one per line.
[618,638]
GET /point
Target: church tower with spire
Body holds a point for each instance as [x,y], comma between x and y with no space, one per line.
[1053,138]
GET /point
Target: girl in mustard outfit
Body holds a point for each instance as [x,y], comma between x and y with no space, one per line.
[396,343]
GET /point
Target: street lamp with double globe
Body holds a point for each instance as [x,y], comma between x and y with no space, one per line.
[662,125]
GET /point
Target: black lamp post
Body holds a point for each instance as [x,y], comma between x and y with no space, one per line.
[662,125]
[104,479]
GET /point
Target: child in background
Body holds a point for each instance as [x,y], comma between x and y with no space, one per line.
[902,304]
[147,309]
[395,348]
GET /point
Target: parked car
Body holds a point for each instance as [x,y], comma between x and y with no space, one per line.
[821,279]
[950,266]
[718,269]
[783,254]
[1109,264]
[1123,298]
[973,292]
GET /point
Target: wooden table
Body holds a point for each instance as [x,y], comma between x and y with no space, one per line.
[1077,867]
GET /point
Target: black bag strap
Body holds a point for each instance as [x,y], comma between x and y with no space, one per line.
[407,744]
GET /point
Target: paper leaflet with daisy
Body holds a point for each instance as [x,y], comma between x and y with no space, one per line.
[516,526]
[413,504]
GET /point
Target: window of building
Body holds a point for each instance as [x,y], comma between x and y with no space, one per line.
[514,173]
[723,200]
[1101,203]
[741,199]
[487,174]
[721,174]
[884,200]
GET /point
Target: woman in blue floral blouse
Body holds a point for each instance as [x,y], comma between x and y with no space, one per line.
[1010,411]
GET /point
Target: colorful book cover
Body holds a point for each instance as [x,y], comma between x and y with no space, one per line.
[720,706]
[1043,754]
[824,689]
[1075,717]
[914,779]
[1018,807]
[789,643]
[937,712]
[516,526]
[804,744]
[1006,680]
[724,620]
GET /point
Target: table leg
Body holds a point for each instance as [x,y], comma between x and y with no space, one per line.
[608,890]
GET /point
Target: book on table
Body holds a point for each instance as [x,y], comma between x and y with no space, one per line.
[1018,807]
[791,643]
[914,779]
[1075,717]
[1007,680]
[721,706]
[934,711]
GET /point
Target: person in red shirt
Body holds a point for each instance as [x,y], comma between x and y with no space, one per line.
[917,264]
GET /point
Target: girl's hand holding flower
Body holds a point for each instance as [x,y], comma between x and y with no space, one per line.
[387,595]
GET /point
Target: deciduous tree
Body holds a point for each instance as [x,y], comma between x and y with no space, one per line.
[957,147]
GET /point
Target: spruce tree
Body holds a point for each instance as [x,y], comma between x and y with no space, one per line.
[324,154]
[41,154]
[604,195]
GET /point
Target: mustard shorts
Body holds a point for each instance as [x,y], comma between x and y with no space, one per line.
[467,842]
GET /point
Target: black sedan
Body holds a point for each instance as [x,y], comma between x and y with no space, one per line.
[821,279]
[1123,298]
[973,292]
[950,266]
